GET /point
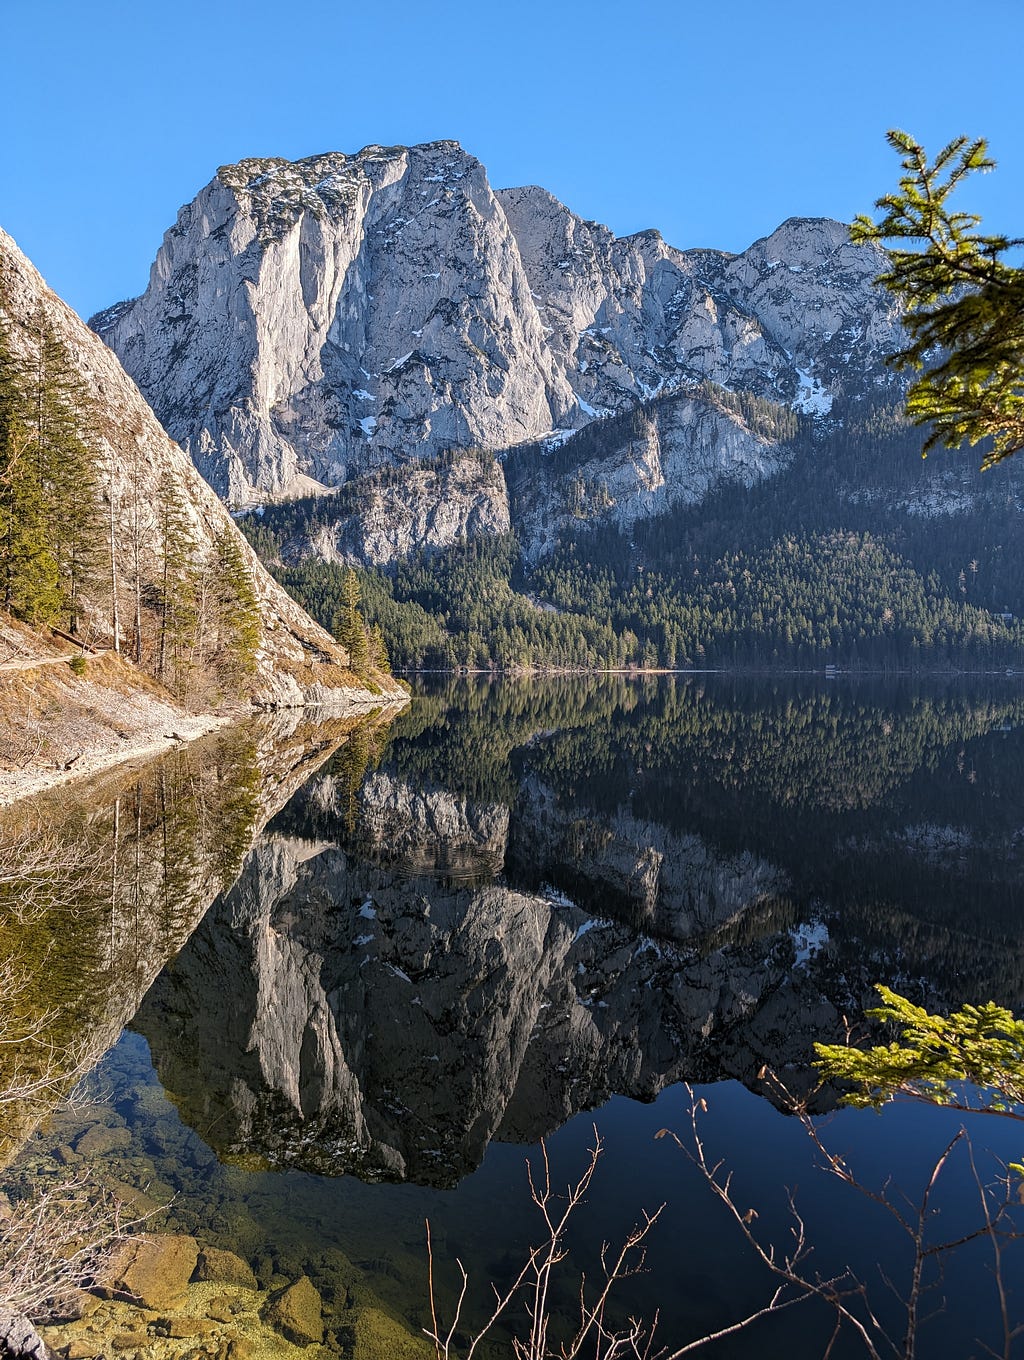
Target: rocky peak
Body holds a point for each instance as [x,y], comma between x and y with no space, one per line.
[808,284]
[309,321]
[278,192]
[313,320]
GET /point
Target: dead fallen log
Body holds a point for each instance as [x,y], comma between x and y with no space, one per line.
[70,637]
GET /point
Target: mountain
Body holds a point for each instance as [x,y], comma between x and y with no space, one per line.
[309,321]
[131,548]
[545,445]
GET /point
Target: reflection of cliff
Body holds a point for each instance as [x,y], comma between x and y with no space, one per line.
[677,803]
[101,884]
[420,830]
[667,883]
[491,932]
[334,1016]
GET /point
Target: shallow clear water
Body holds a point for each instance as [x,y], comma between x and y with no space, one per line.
[531,908]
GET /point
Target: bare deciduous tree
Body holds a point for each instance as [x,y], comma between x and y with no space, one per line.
[57,1242]
[796,1280]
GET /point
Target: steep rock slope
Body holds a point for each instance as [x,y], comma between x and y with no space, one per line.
[671,451]
[296,661]
[629,318]
[307,321]
[383,516]
[324,317]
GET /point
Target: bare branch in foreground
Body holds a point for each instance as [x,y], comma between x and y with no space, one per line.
[534,1281]
[57,1242]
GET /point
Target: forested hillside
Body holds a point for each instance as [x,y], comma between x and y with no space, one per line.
[192,619]
[108,533]
[856,553]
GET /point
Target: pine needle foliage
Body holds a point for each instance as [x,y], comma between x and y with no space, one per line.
[237,609]
[964,302]
[349,626]
[49,502]
[178,595]
[936,1058]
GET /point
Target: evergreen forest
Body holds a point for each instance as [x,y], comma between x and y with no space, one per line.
[94,550]
[858,554]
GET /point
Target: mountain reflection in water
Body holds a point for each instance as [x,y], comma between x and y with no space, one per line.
[526,900]
[546,897]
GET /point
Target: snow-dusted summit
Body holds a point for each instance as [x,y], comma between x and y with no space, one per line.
[309,321]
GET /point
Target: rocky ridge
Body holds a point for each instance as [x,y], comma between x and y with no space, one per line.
[669,452]
[307,322]
[379,518]
[297,662]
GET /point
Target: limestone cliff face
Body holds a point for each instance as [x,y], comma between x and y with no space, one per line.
[297,661]
[308,321]
[379,519]
[672,451]
[630,318]
[319,318]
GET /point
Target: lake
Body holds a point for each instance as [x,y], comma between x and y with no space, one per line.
[341,980]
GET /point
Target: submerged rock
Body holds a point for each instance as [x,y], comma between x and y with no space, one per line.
[224,1267]
[156,1272]
[297,1313]
[376,1336]
[99,1140]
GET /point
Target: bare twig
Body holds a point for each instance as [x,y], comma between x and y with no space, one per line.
[842,1292]
[57,1242]
[535,1277]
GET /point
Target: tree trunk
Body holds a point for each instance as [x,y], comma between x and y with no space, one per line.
[115,609]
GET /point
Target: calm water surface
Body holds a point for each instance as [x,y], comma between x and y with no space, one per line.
[528,909]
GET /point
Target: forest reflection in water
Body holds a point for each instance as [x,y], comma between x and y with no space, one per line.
[527,900]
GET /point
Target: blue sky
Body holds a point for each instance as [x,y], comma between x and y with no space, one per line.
[712,121]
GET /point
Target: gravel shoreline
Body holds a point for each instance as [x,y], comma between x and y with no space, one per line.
[173,729]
